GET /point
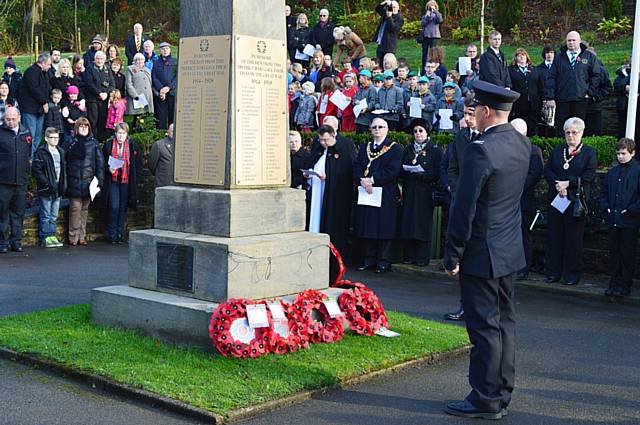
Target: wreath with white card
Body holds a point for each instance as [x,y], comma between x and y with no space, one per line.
[314,318]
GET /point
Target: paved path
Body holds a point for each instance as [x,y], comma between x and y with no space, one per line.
[577,362]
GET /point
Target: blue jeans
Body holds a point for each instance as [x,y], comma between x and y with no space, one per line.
[49,206]
[35,124]
[118,200]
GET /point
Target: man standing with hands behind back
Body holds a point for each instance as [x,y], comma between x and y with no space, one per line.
[484,246]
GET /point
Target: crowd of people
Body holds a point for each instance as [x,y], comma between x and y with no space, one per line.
[63,124]
[561,96]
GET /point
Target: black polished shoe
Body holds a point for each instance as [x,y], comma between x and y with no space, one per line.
[3,249]
[522,276]
[552,279]
[366,267]
[383,269]
[17,247]
[407,261]
[572,282]
[456,315]
[465,409]
[422,263]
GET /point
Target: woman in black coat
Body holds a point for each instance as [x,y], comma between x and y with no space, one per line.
[378,166]
[84,162]
[121,185]
[65,78]
[417,188]
[570,164]
[301,36]
[521,73]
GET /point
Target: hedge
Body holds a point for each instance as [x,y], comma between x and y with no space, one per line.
[605,146]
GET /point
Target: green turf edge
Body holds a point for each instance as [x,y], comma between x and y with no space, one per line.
[213,383]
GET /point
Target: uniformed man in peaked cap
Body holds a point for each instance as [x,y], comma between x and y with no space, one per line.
[484,246]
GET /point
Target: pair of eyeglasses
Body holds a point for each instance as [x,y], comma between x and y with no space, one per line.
[571,133]
[418,130]
[83,125]
[323,15]
[377,127]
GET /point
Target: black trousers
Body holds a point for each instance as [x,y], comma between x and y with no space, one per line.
[566,110]
[622,256]
[527,240]
[417,251]
[377,251]
[593,123]
[164,111]
[97,116]
[565,236]
[489,312]
[13,200]
[427,43]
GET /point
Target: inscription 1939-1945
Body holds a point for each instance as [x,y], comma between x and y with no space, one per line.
[175,266]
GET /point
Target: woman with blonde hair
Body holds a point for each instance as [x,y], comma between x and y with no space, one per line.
[430,29]
[389,62]
[301,36]
[349,44]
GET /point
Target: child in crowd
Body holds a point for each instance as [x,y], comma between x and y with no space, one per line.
[453,77]
[347,69]
[305,115]
[378,81]
[435,82]
[12,77]
[72,111]
[467,86]
[117,106]
[350,90]
[294,94]
[367,93]
[325,106]
[449,101]
[427,100]
[620,203]
[402,80]
[54,118]
[48,168]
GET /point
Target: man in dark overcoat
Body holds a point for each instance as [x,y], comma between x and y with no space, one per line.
[484,246]
[15,152]
[378,165]
[493,63]
[386,35]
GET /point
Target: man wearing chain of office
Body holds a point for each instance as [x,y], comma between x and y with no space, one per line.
[484,247]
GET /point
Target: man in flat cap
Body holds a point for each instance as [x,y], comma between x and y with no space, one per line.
[484,247]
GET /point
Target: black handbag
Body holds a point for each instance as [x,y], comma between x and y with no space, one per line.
[579,205]
[420,38]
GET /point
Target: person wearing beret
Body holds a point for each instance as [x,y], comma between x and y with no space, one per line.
[484,247]
[378,166]
[390,99]
[570,171]
[417,187]
[368,93]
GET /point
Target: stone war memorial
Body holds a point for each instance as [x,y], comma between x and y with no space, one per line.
[230,226]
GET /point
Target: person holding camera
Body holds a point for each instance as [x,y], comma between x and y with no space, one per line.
[386,35]
[430,30]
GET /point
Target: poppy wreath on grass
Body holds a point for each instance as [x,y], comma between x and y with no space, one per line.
[314,319]
[363,310]
[347,284]
[336,265]
[229,329]
[284,339]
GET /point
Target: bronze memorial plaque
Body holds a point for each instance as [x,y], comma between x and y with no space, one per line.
[201,119]
[261,111]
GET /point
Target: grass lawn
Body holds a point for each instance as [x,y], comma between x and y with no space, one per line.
[215,383]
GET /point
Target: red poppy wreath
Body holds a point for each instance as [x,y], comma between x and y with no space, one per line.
[363,310]
[315,321]
[336,265]
[284,338]
[231,334]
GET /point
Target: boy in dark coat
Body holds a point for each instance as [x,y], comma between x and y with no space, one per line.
[53,117]
[620,204]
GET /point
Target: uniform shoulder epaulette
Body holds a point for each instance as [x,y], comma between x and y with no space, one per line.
[478,142]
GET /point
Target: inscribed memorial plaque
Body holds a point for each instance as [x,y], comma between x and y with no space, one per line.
[175,266]
[261,105]
[202,99]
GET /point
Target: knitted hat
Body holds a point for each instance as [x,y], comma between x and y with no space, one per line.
[97,39]
[10,63]
[73,90]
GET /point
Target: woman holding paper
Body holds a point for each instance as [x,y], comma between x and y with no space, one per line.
[301,37]
[84,164]
[571,168]
[139,91]
[420,172]
[124,164]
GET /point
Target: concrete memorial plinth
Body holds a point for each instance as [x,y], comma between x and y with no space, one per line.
[230,226]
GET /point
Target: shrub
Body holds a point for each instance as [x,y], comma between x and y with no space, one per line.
[515,34]
[461,35]
[411,29]
[507,13]
[614,27]
[612,8]
[362,23]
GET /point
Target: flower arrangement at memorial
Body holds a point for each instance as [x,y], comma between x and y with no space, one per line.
[306,320]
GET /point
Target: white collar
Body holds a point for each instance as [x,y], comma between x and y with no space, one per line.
[547,63]
[496,51]
[577,52]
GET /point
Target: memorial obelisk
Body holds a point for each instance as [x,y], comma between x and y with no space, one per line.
[230,226]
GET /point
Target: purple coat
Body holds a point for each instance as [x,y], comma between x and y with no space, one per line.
[431,25]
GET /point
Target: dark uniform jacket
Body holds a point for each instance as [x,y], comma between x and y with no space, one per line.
[323,37]
[417,188]
[582,168]
[130,47]
[98,81]
[460,142]
[392,27]
[15,152]
[566,84]
[374,222]
[536,167]
[620,192]
[34,90]
[485,214]
[298,162]
[603,90]
[84,161]
[537,86]
[44,171]
[522,84]
[493,69]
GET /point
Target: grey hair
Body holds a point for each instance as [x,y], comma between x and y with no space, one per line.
[100,53]
[148,43]
[574,122]
[138,56]
[332,121]
[43,57]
